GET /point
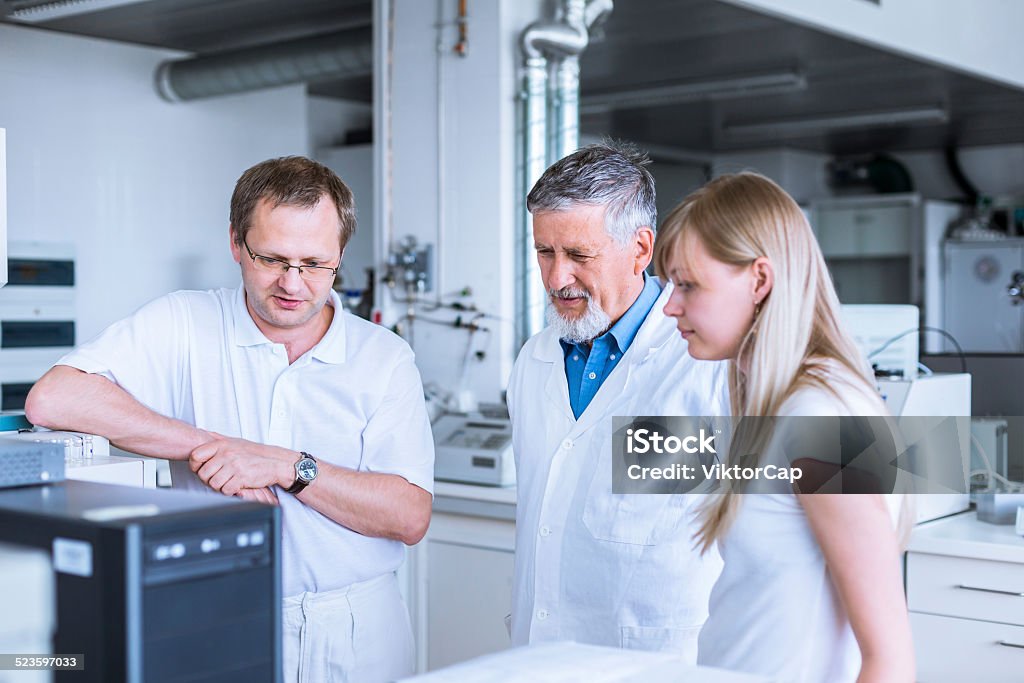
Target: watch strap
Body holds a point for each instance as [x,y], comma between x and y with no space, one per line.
[299,484]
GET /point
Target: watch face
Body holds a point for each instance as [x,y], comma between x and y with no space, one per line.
[306,469]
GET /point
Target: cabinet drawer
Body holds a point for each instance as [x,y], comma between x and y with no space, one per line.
[957,650]
[969,588]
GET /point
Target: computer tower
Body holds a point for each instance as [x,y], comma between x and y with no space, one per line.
[156,585]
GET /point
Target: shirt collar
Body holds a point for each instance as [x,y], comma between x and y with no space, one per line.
[330,349]
[624,331]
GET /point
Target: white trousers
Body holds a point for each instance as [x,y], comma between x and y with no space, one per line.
[357,634]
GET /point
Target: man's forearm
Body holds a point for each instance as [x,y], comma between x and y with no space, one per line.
[67,398]
[370,503]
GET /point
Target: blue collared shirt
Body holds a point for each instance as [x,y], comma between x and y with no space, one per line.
[586,367]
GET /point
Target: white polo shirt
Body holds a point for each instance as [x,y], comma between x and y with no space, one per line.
[355,400]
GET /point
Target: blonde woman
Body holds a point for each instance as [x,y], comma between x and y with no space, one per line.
[811,588]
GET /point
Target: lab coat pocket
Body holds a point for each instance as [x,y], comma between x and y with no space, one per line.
[680,640]
[625,518]
[621,518]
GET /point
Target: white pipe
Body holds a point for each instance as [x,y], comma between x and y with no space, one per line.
[549,133]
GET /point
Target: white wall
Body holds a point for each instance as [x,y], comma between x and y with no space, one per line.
[138,185]
[943,32]
[672,182]
[330,120]
[455,167]
[800,173]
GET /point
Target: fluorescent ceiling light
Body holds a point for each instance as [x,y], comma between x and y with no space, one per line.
[753,85]
[57,9]
[814,124]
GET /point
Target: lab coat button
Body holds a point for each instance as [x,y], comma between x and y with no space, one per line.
[542,614]
[545,531]
[567,444]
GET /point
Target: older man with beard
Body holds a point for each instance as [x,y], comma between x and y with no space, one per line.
[593,566]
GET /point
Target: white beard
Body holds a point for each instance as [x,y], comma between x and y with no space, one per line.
[592,324]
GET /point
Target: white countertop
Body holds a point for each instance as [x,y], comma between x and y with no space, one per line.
[564,661]
[963,535]
[489,494]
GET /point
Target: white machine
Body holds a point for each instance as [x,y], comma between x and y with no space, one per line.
[886,334]
[87,457]
[473,449]
[934,396]
[983,295]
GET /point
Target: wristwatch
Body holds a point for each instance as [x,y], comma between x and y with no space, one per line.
[305,473]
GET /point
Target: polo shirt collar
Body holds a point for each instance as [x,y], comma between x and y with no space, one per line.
[330,349]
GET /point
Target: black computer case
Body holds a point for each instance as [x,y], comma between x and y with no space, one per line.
[156,585]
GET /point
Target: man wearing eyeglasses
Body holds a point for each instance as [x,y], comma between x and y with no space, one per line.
[272,392]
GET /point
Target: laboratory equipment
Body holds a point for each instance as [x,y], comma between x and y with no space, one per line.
[24,463]
[990,445]
[886,335]
[156,585]
[37,316]
[474,449]
[935,396]
[981,309]
[997,507]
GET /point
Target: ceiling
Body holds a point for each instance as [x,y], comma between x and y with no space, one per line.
[645,42]
[671,40]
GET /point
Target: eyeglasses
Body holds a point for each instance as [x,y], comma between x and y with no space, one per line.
[274,265]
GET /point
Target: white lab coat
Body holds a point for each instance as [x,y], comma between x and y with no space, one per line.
[592,566]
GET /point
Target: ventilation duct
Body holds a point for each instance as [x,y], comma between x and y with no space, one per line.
[331,56]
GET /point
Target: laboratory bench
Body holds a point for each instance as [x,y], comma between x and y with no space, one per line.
[964,581]
[965,593]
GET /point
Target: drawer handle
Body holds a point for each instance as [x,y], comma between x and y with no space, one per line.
[1006,644]
[990,590]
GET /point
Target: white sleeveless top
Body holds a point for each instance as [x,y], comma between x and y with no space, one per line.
[774,610]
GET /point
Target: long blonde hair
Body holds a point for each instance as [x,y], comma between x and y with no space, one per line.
[739,218]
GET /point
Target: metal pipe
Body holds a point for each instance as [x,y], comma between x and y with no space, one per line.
[550,125]
[341,54]
[534,163]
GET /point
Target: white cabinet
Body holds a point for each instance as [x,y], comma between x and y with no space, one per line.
[866,230]
[965,592]
[951,649]
[879,248]
[462,575]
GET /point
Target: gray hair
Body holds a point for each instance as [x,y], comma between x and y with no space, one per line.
[610,174]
